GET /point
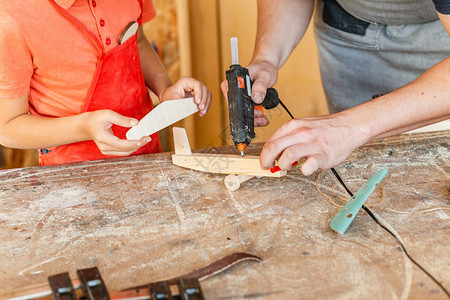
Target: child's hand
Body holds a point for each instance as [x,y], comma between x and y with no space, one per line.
[98,127]
[189,87]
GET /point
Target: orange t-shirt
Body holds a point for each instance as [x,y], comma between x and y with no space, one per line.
[44,54]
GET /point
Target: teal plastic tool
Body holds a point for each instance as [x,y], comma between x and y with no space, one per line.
[347,214]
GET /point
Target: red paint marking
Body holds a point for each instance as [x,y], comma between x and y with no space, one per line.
[277,168]
[241,82]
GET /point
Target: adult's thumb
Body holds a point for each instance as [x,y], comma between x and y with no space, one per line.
[259,90]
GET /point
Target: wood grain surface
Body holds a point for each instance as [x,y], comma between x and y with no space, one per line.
[141,219]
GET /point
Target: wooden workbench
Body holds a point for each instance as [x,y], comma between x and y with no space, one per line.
[142,219]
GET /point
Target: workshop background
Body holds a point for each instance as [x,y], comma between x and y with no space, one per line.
[193,39]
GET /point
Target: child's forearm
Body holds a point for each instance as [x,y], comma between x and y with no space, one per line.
[155,75]
[157,79]
[26,131]
[19,129]
[31,132]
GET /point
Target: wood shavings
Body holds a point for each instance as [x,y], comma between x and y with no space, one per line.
[418,212]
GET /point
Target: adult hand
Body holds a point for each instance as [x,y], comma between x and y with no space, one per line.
[263,75]
[260,119]
[98,128]
[324,141]
[189,87]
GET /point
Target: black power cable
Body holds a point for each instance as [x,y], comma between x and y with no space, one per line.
[369,212]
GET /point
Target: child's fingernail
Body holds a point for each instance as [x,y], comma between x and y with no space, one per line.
[133,122]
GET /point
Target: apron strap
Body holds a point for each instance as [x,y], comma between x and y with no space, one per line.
[141,4]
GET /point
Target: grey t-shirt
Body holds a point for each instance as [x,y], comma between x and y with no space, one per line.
[391,12]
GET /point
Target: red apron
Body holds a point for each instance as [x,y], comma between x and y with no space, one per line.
[118,85]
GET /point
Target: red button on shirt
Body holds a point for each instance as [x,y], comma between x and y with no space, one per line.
[94,4]
[102,22]
[108,41]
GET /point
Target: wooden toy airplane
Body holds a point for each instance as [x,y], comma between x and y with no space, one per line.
[240,168]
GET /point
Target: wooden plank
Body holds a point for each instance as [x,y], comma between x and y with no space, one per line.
[181,141]
[183,26]
[206,67]
[223,164]
[161,116]
[18,158]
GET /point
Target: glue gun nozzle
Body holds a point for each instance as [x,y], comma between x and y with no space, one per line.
[241,148]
